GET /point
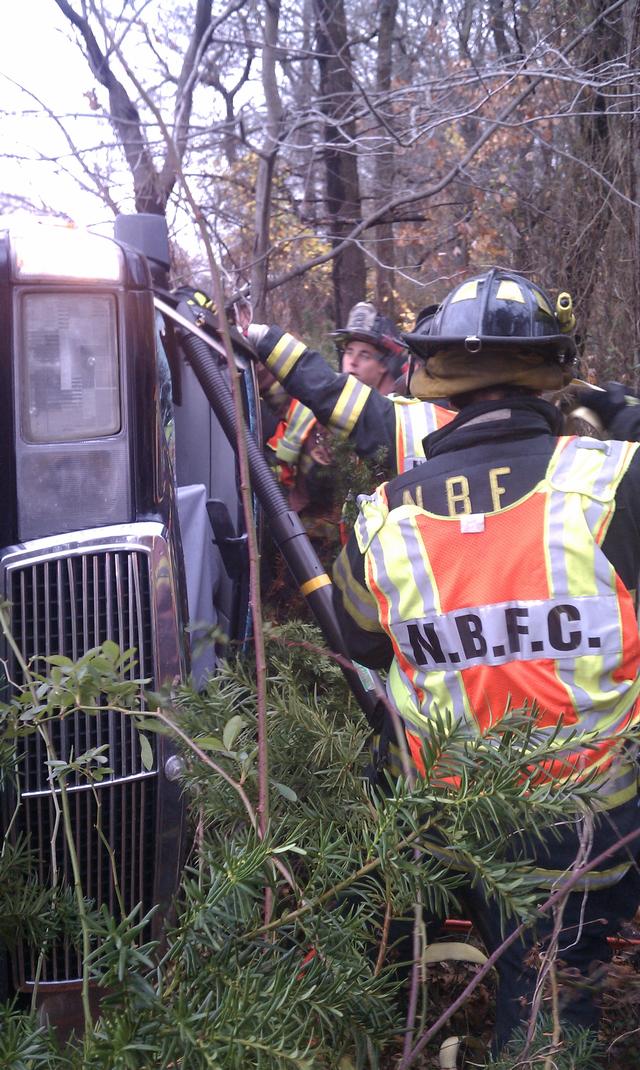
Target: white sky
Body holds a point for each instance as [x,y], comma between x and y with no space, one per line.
[37,50]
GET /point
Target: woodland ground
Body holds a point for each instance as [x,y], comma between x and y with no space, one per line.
[620,1033]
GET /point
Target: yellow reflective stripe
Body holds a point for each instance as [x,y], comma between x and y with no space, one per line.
[414,421]
[288,452]
[580,567]
[387,595]
[358,601]
[565,519]
[508,290]
[347,409]
[541,302]
[285,355]
[395,549]
[288,449]
[630,449]
[624,794]
[313,585]
[570,555]
[201,299]
[466,292]
[410,547]
[599,878]
[581,482]
[300,421]
[579,489]
[620,779]
[372,513]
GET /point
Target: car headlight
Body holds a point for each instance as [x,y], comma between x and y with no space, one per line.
[70,375]
[72,448]
[64,253]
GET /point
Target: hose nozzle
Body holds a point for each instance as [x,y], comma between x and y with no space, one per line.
[564,312]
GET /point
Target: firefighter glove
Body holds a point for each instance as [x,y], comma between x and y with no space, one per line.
[605,403]
[255,332]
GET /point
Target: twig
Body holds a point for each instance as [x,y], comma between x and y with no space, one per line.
[499,951]
[384,939]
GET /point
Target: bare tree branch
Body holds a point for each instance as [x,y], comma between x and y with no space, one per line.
[124,116]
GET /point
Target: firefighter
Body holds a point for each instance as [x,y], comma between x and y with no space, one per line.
[299,452]
[355,403]
[370,348]
[295,444]
[501,574]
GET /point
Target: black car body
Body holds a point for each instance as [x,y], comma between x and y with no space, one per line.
[105,482]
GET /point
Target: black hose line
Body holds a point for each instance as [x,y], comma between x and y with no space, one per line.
[285,525]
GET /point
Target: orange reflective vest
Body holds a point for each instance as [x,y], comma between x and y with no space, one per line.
[288,439]
[517,608]
[414,421]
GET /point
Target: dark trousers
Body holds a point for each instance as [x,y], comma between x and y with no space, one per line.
[587,920]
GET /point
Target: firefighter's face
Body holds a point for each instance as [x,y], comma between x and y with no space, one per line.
[363,361]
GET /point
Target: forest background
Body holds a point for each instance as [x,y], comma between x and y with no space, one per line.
[339,150]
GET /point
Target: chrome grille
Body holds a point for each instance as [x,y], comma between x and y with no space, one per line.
[125,815]
[67,605]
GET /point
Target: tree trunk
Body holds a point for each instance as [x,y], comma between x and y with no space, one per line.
[152,188]
[598,148]
[339,154]
[267,163]
[385,166]
[634,194]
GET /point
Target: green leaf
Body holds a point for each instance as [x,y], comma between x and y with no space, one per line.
[210,743]
[232,730]
[154,699]
[111,650]
[287,847]
[146,752]
[150,724]
[287,793]
[445,951]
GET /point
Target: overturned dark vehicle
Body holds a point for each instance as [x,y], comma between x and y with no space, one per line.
[120,521]
[114,470]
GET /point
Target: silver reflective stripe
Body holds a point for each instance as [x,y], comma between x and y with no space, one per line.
[578,628]
[602,488]
[621,777]
[416,422]
[353,396]
[522,630]
[422,697]
[451,680]
[361,526]
[284,361]
[556,550]
[566,479]
[409,443]
[298,427]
